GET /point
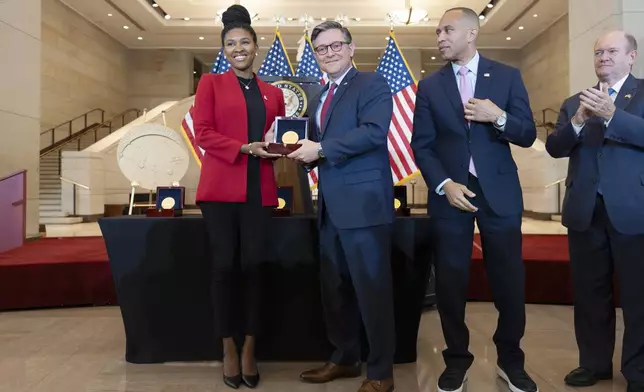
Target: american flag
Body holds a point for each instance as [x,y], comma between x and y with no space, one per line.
[221,65]
[276,62]
[403,88]
[309,66]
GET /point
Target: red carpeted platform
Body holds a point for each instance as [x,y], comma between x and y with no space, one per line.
[74,271]
[52,272]
[547,270]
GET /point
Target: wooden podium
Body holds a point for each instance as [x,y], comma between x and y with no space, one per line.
[290,173]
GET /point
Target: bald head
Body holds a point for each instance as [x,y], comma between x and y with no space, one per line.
[615,54]
[466,15]
[456,35]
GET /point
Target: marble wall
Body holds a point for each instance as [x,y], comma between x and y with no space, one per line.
[545,69]
[20,34]
[157,76]
[82,68]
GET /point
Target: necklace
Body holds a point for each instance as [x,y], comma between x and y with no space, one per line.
[246,86]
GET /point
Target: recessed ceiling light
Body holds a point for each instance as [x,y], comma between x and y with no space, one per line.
[201,38]
[433,58]
[322,18]
[387,38]
[490,5]
[109,14]
[535,15]
[422,71]
[140,38]
[508,38]
[358,19]
[186,18]
[167,16]
[126,27]
[262,38]
[290,18]
[155,5]
[520,27]
[425,19]
[481,17]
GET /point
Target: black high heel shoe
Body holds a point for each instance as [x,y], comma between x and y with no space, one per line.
[233,382]
[251,381]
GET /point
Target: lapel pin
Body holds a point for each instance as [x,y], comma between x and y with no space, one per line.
[627,96]
[486,75]
[265,99]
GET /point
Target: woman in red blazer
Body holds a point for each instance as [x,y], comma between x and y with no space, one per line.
[233,116]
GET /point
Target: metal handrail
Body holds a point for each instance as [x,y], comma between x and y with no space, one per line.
[558,192]
[105,124]
[75,118]
[74,185]
[74,182]
[555,183]
[70,124]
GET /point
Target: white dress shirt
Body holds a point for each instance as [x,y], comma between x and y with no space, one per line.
[616,87]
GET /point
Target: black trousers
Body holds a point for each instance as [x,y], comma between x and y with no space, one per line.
[357,289]
[238,239]
[501,242]
[595,255]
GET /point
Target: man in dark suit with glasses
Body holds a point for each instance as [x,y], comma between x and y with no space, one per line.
[351,118]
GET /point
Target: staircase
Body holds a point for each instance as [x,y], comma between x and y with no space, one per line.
[51,212]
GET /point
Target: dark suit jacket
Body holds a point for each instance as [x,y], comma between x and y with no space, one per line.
[442,142]
[608,157]
[221,128]
[355,183]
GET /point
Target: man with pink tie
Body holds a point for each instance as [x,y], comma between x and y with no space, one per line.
[466,116]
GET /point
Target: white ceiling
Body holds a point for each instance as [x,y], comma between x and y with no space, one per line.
[144,21]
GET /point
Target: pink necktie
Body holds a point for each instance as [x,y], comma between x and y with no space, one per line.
[466,94]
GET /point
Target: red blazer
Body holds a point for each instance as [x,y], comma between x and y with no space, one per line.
[221,128]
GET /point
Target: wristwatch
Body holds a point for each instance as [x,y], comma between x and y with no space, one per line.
[320,152]
[501,120]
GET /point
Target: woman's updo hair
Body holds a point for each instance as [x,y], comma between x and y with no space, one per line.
[237,17]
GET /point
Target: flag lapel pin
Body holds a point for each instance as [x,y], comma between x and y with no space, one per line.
[486,75]
[628,96]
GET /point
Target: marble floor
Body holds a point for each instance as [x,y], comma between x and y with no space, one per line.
[81,350]
[530,226]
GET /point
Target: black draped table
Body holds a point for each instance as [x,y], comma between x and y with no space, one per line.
[160,268]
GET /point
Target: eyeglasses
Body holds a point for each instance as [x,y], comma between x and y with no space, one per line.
[335,46]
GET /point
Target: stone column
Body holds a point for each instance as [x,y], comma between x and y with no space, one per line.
[20,97]
[588,20]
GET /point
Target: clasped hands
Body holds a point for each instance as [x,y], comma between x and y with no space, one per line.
[305,154]
[593,102]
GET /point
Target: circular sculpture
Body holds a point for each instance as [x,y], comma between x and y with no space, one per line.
[152,155]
